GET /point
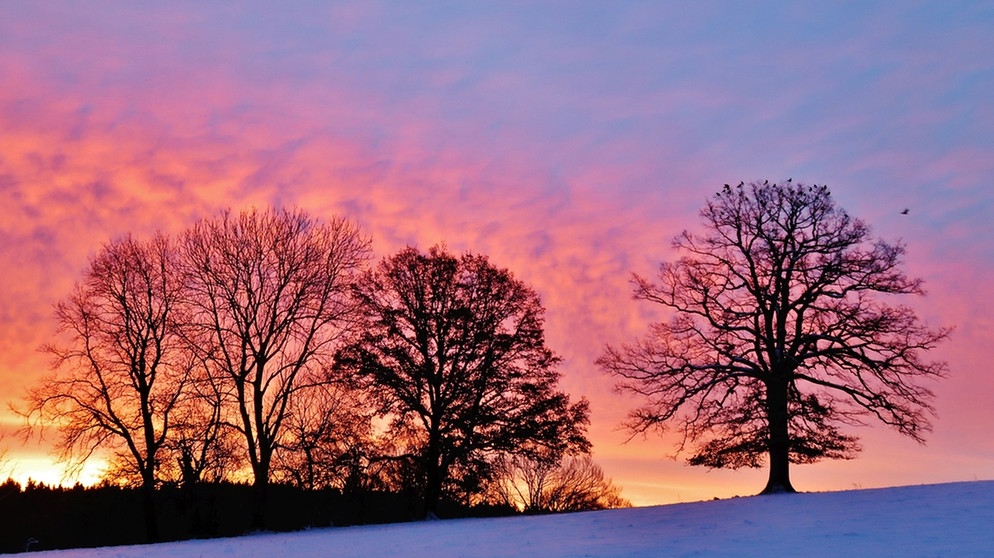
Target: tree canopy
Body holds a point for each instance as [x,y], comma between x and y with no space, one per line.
[455,348]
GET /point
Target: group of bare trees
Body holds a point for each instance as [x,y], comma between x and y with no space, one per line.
[261,346]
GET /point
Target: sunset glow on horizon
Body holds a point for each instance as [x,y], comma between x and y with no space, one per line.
[567,141]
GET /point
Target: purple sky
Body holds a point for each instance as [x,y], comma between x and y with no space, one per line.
[569,141]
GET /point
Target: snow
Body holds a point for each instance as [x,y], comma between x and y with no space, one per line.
[934,520]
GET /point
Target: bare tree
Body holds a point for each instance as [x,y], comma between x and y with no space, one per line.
[455,348]
[780,334]
[201,446]
[6,467]
[573,483]
[119,376]
[270,291]
[328,434]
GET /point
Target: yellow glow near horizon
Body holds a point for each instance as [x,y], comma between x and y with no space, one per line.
[46,469]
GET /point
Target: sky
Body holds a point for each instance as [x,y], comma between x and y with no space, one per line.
[567,141]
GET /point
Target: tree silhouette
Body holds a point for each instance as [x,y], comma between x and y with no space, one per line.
[201,446]
[455,349]
[329,433]
[270,297]
[124,367]
[572,483]
[780,334]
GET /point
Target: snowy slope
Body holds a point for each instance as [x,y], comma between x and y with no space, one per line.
[937,520]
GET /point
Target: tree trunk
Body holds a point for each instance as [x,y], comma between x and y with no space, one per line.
[147,467]
[260,500]
[433,492]
[433,479]
[148,508]
[779,438]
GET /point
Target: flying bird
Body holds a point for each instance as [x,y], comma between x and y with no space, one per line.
[905,212]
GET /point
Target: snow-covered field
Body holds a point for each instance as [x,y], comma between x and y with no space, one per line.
[937,520]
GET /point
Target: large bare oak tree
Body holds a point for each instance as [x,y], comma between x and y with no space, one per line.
[455,348]
[270,292]
[783,329]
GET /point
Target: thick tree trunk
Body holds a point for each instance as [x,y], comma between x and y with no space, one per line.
[433,492]
[260,500]
[148,508]
[433,479]
[779,438]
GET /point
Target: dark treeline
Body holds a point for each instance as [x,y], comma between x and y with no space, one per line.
[265,348]
[37,517]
